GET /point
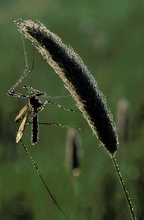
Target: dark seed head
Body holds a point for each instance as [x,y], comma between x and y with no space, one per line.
[73,152]
[77,79]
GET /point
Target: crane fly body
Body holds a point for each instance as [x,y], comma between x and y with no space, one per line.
[29,114]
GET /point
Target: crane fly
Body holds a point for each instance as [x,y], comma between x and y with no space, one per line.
[29,114]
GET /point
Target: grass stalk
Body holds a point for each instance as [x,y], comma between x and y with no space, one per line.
[81,85]
[116,166]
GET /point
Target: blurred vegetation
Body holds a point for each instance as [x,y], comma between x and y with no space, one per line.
[109,36]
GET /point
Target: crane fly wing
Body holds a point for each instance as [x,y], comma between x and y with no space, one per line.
[21,113]
[21,129]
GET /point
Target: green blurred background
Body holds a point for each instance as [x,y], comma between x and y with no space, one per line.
[109,37]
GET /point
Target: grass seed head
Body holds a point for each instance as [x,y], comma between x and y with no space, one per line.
[76,78]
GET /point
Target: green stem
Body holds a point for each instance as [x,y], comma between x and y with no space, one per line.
[116,166]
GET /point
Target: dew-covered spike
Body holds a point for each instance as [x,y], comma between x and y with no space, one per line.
[76,78]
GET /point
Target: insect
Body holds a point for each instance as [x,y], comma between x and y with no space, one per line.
[29,113]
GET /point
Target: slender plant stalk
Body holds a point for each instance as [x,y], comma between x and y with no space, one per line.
[116,166]
[72,164]
[79,82]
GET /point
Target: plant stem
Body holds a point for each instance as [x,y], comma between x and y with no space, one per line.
[116,166]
